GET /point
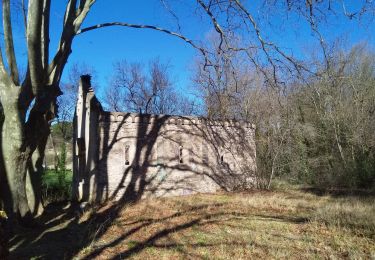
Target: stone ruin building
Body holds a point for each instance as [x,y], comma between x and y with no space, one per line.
[128,156]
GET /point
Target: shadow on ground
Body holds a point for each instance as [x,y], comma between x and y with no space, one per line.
[62,232]
[236,225]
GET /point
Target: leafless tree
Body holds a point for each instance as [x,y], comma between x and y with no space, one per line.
[134,89]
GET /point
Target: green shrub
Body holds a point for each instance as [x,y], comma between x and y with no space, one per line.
[56,183]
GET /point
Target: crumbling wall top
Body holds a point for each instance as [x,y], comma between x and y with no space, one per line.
[137,118]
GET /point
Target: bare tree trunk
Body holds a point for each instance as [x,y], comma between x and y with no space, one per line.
[23,152]
[14,154]
[337,138]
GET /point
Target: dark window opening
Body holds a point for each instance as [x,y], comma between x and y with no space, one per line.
[204,154]
[222,159]
[180,155]
[127,148]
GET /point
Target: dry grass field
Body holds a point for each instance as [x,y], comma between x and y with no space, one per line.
[289,224]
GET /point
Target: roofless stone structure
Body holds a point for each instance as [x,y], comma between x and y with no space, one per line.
[130,156]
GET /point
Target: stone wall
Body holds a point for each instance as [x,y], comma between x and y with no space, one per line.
[129,156]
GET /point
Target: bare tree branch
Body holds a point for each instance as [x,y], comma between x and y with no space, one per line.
[298,66]
[3,71]
[34,47]
[214,22]
[72,21]
[70,12]
[66,38]
[259,36]
[24,13]
[166,6]
[139,26]
[45,32]
[83,13]
[9,46]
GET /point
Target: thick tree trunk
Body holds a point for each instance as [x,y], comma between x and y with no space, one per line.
[34,176]
[14,155]
[19,141]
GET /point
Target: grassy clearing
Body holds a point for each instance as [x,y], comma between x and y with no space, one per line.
[284,224]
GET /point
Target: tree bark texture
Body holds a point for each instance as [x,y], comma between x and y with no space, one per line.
[14,156]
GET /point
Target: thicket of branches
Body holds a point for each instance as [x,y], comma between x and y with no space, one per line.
[316,130]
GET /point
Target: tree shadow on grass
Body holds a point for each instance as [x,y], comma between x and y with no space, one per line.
[63,234]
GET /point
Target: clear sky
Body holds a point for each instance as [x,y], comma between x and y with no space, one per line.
[101,48]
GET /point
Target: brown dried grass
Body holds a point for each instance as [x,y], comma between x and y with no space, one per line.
[289,224]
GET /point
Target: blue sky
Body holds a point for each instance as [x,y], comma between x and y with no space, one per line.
[101,48]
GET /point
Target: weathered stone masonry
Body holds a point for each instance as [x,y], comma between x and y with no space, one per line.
[129,156]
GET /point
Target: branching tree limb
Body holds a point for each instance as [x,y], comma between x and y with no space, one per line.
[45,32]
[9,47]
[215,23]
[34,46]
[2,67]
[152,27]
